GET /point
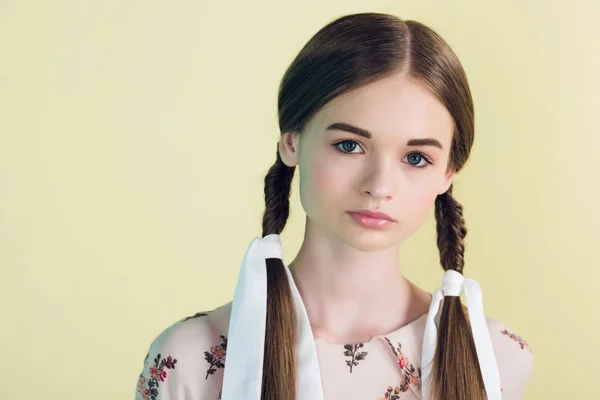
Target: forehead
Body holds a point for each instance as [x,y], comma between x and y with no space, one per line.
[396,105]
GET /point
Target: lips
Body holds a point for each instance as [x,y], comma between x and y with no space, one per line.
[373,214]
[369,222]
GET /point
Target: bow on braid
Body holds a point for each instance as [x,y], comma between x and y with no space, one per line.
[280,333]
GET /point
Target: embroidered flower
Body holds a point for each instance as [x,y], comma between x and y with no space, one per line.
[351,350]
[414,380]
[143,389]
[402,362]
[156,373]
[218,352]
[393,393]
[197,315]
[216,357]
[148,388]
[411,375]
[516,338]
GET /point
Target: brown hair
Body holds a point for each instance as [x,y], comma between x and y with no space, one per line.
[347,53]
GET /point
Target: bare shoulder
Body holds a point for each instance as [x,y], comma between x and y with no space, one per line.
[514,357]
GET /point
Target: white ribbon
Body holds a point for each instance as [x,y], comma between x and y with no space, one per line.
[242,377]
[454,283]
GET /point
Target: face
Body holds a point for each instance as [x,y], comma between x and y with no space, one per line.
[341,171]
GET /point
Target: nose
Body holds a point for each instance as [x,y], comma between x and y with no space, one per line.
[379,182]
[378,194]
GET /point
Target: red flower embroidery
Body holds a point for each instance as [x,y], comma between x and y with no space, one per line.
[149,387]
[402,360]
[411,375]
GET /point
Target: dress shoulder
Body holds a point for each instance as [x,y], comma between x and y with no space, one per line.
[186,360]
[514,358]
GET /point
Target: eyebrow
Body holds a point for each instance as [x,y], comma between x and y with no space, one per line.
[365,133]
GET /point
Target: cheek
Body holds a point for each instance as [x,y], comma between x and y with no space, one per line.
[321,184]
[323,177]
[416,207]
[426,197]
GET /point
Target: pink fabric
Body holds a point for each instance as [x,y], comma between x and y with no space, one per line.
[187,360]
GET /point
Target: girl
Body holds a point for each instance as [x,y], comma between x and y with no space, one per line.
[377,115]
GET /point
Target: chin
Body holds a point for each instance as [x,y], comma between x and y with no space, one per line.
[370,240]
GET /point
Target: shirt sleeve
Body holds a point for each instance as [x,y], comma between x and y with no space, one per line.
[514,358]
[184,362]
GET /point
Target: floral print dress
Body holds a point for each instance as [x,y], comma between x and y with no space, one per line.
[186,362]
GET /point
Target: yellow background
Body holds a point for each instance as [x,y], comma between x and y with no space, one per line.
[134,137]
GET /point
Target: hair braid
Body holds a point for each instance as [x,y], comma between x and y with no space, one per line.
[278,182]
[451,231]
[279,368]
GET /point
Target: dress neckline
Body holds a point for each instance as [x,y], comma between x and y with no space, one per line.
[393,333]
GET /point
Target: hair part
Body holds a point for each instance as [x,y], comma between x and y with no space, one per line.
[348,53]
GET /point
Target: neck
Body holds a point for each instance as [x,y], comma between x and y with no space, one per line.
[350,295]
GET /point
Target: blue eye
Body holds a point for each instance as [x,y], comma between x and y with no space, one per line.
[420,156]
[351,145]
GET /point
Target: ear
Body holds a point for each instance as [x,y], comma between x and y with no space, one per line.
[288,148]
[448,179]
